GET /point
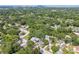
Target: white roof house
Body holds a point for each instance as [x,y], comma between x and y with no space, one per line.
[47,37]
[76,30]
[24,43]
[61,43]
[37,40]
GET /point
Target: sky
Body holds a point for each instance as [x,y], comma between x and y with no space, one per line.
[39,2]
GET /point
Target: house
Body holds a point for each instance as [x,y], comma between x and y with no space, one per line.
[76,49]
[37,40]
[76,30]
[24,43]
[60,51]
[76,33]
[47,37]
[61,44]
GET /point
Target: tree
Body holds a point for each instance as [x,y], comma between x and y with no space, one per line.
[8,44]
[55,48]
[21,51]
[36,51]
[13,31]
[6,48]
[76,41]
[31,44]
[76,23]
[46,42]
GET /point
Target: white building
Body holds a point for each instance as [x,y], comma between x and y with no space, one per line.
[37,41]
